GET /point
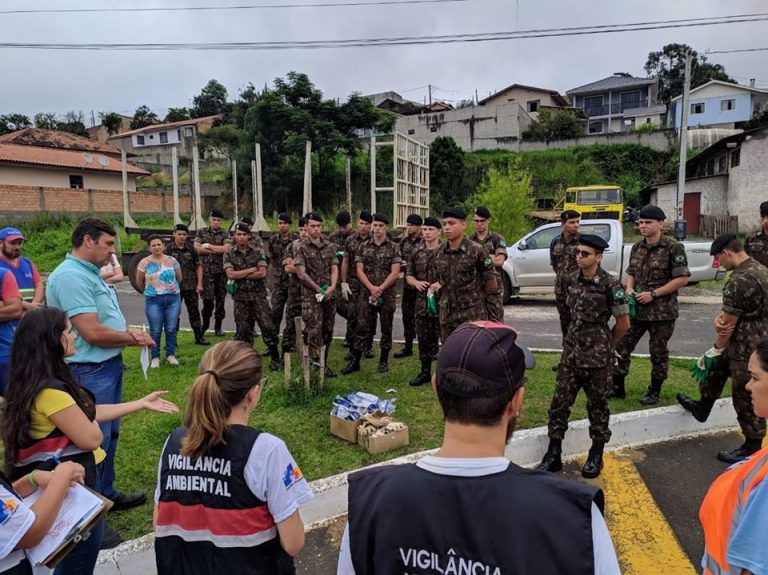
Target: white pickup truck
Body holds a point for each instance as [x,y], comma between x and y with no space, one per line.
[527,268]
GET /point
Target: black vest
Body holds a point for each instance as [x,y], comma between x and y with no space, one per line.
[208,519]
[404,519]
[23,567]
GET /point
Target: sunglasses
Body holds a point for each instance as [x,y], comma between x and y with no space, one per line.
[585,254]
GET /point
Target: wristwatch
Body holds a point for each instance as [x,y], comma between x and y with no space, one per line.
[653,293]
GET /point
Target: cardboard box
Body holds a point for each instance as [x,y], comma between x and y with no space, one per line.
[384,443]
[344,428]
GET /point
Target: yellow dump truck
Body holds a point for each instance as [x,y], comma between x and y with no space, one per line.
[592,202]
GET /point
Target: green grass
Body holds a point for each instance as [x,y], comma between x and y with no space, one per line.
[303,422]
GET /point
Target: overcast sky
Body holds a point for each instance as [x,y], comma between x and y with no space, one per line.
[32,81]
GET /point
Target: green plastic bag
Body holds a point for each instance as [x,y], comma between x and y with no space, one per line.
[232,287]
[431,303]
[701,368]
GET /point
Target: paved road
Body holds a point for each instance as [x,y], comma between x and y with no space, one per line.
[535,317]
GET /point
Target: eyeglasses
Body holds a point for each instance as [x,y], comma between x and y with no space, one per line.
[584,254]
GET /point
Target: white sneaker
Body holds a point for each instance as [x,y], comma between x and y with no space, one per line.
[172,360]
[155,362]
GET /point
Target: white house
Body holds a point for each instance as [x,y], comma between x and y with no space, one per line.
[718,104]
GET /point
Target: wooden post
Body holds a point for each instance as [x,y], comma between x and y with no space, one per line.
[258,192]
[234,191]
[197,221]
[175,174]
[127,219]
[287,369]
[304,351]
[348,177]
[322,365]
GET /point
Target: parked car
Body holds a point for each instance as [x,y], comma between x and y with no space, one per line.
[527,268]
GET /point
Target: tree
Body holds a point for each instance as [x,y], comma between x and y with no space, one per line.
[73,122]
[224,139]
[46,121]
[668,66]
[143,117]
[465,104]
[12,122]
[446,173]
[176,115]
[212,100]
[554,124]
[111,121]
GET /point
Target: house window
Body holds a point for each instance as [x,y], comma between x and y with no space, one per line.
[710,167]
[188,132]
[76,182]
[697,108]
[727,105]
[533,105]
[163,137]
[722,164]
[736,157]
[140,140]
[593,105]
[595,127]
[411,132]
[433,128]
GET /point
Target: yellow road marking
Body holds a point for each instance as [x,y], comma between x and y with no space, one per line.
[645,543]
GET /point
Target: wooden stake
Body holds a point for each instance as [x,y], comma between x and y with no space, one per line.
[287,369]
[322,365]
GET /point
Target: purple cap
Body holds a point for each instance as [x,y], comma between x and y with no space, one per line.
[482,359]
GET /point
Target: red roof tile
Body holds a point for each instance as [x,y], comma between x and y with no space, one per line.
[57,139]
[155,127]
[72,159]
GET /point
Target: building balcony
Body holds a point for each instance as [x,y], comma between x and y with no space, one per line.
[615,109]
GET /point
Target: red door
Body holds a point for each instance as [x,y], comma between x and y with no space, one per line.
[691,211]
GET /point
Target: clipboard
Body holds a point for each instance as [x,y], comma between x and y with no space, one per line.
[57,544]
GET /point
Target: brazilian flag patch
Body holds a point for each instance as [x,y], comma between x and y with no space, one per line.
[503,244]
[618,294]
[488,263]
[728,291]
[680,259]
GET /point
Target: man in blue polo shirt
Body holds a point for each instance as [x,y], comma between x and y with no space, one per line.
[11,311]
[27,277]
[76,287]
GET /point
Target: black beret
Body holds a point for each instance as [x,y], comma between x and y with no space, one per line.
[302,221]
[414,220]
[433,223]
[216,213]
[366,216]
[283,217]
[764,209]
[482,212]
[721,242]
[247,220]
[314,216]
[457,213]
[379,217]
[569,215]
[343,218]
[243,227]
[652,213]
[595,242]
[181,228]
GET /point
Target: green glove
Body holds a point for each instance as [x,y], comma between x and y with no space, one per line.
[632,305]
[431,303]
[702,367]
[232,287]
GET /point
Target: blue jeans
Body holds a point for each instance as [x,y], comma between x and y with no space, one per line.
[105,381]
[163,313]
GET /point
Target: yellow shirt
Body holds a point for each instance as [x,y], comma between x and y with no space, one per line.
[49,402]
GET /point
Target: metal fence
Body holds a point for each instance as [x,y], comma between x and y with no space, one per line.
[713,226]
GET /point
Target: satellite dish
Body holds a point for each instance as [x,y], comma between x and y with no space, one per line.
[104,161]
[88,158]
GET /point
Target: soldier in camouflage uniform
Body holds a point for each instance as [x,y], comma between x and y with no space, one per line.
[276,246]
[256,240]
[192,278]
[756,244]
[496,247]
[351,290]
[293,305]
[246,266]
[562,258]
[464,275]
[740,326]
[410,241]
[378,267]
[211,245]
[587,361]
[339,238]
[658,268]
[421,274]
[318,269]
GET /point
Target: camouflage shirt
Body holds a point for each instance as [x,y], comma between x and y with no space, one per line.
[652,266]
[746,295]
[562,258]
[422,267]
[589,341]
[188,261]
[317,259]
[338,240]
[377,260]
[756,246]
[294,285]
[212,263]
[275,248]
[237,260]
[407,246]
[351,245]
[462,273]
[496,246]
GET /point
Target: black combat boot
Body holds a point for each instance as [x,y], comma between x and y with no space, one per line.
[369,353]
[353,365]
[749,447]
[700,410]
[552,460]
[206,323]
[407,350]
[217,330]
[199,339]
[274,363]
[424,375]
[288,350]
[384,361]
[617,391]
[651,396]
[594,463]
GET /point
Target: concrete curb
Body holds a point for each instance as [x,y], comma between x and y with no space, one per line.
[525,448]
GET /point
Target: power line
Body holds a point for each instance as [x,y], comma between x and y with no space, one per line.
[740,50]
[237,7]
[399,41]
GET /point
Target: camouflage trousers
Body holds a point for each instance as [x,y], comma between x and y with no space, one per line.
[596,383]
[249,312]
[659,334]
[428,333]
[214,295]
[318,324]
[279,300]
[563,311]
[345,308]
[292,311]
[365,326]
[752,426]
[191,299]
[450,319]
[408,307]
[494,307]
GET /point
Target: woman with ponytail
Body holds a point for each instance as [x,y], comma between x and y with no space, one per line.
[228,495]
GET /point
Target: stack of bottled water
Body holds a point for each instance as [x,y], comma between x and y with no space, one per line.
[355,405]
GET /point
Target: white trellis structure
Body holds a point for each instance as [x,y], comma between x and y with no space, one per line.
[410,177]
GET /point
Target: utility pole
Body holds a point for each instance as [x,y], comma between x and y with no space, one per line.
[430,94]
[680,224]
